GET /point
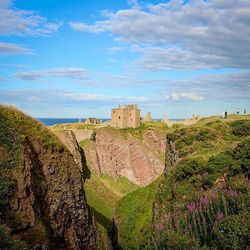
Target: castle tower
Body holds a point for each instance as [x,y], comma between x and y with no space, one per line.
[127,116]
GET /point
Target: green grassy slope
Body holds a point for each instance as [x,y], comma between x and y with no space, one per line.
[134,215]
[203,201]
[103,193]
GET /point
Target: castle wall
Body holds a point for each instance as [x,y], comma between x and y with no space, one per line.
[128,116]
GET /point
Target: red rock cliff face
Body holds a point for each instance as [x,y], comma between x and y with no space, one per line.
[48,209]
[139,158]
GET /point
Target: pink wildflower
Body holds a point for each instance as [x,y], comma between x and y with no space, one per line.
[191,207]
[219,216]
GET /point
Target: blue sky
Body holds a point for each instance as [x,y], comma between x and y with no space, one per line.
[77,58]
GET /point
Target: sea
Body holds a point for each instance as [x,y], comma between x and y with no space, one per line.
[53,121]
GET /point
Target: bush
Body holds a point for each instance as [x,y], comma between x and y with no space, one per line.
[233,232]
[188,140]
[204,135]
[190,168]
[241,128]
[177,241]
[218,163]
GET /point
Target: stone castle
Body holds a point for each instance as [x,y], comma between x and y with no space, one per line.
[127,116]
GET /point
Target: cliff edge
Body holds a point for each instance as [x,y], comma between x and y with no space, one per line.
[42,200]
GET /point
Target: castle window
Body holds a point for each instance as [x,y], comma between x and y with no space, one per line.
[119,117]
[113,111]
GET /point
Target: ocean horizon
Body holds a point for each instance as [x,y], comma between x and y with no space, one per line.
[53,121]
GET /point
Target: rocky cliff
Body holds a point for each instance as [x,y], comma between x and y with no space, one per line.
[42,200]
[68,138]
[137,155]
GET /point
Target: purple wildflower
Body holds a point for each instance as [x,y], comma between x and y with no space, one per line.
[191,207]
[219,216]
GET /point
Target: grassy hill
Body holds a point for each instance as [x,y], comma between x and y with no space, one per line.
[203,201]
[214,162]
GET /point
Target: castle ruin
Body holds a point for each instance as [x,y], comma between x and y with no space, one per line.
[127,116]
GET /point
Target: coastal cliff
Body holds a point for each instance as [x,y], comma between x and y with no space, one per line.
[134,154]
[42,200]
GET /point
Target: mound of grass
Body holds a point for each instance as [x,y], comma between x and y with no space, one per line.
[133,217]
[103,192]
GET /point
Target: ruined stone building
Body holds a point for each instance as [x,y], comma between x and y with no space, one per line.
[92,121]
[127,116]
[148,117]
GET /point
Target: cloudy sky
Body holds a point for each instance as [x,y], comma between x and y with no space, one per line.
[80,58]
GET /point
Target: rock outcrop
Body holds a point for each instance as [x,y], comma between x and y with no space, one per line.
[68,138]
[140,158]
[172,155]
[148,118]
[46,206]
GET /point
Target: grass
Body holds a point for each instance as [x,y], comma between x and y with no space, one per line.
[79,126]
[84,143]
[103,192]
[214,159]
[134,215]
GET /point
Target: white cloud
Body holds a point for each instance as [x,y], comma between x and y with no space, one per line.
[101,97]
[60,97]
[82,27]
[185,96]
[211,33]
[116,49]
[72,73]
[15,21]
[14,49]
[134,3]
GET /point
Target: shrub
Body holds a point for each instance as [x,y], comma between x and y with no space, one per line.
[190,168]
[241,128]
[204,135]
[233,232]
[218,163]
[188,140]
[177,241]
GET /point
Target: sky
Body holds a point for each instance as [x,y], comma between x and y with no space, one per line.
[76,58]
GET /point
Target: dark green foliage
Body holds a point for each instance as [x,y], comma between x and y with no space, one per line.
[233,232]
[241,128]
[187,170]
[7,188]
[227,211]
[93,137]
[177,241]
[218,163]
[7,243]
[204,135]
[241,159]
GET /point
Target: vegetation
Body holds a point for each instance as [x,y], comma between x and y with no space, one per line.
[103,192]
[6,242]
[134,215]
[74,126]
[17,133]
[241,128]
[203,201]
